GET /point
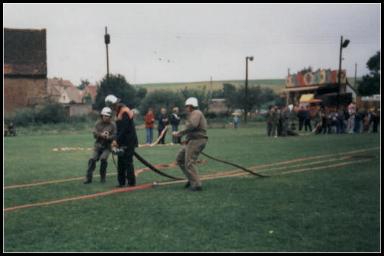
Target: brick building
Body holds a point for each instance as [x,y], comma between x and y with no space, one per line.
[25,68]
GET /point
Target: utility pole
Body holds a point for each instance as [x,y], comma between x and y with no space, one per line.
[354,84]
[107,40]
[246,88]
[343,44]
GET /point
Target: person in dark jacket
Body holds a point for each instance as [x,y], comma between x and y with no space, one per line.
[175,121]
[126,139]
[307,120]
[375,120]
[163,121]
[301,116]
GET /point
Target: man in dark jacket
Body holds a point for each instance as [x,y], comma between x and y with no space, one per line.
[163,120]
[126,139]
[175,121]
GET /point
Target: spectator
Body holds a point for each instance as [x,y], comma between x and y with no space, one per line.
[149,120]
[163,121]
[307,119]
[301,116]
[351,118]
[375,120]
[175,121]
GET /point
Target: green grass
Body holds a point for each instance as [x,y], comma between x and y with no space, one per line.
[335,209]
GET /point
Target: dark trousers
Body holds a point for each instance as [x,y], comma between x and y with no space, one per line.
[301,123]
[162,140]
[125,169]
[307,124]
[269,128]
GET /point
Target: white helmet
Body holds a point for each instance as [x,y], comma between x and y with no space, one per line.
[192,101]
[106,111]
[111,99]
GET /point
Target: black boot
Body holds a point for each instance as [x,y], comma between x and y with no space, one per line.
[187,185]
[103,170]
[91,168]
[131,175]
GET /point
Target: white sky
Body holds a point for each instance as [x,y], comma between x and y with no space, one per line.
[199,40]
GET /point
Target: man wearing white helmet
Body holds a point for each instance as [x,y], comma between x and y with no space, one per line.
[196,139]
[126,139]
[104,133]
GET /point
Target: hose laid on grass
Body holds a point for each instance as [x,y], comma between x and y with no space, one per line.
[153,168]
[235,165]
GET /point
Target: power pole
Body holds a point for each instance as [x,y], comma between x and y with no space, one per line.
[343,44]
[354,84]
[246,88]
[107,40]
[339,73]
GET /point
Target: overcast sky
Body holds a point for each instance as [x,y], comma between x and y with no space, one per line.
[176,43]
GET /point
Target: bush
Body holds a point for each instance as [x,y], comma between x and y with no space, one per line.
[51,113]
[24,117]
[44,114]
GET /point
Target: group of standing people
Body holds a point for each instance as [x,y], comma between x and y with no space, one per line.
[348,119]
[163,120]
[120,136]
[281,121]
[111,135]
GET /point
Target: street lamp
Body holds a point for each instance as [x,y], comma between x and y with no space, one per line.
[246,87]
[107,40]
[343,44]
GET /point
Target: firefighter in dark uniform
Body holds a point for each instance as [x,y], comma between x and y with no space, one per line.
[126,139]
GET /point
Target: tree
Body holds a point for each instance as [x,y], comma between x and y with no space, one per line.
[230,95]
[83,84]
[200,95]
[306,70]
[118,86]
[161,99]
[370,83]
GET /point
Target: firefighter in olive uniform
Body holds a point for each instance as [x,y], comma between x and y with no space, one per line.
[196,139]
[104,133]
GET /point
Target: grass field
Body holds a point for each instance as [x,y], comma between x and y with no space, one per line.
[323,195]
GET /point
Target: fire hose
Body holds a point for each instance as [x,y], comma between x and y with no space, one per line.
[149,165]
[235,165]
[153,168]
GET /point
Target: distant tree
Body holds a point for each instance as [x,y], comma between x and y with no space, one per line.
[306,70]
[118,86]
[200,95]
[231,96]
[370,83]
[83,84]
[161,99]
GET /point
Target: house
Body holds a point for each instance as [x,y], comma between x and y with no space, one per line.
[89,94]
[217,106]
[25,68]
[64,92]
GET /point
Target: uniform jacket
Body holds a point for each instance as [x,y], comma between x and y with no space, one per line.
[126,131]
[196,126]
